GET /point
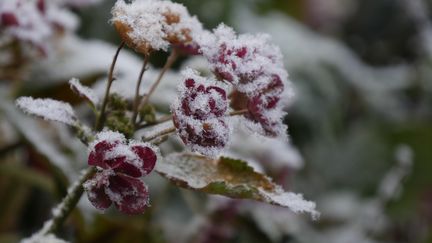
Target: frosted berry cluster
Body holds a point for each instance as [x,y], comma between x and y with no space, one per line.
[264,110]
[247,61]
[36,23]
[120,165]
[199,114]
[255,69]
[147,25]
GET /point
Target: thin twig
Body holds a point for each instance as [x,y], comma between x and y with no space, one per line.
[159,134]
[101,117]
[169,117]
[62,211]
[157,122]
[137,95]
[170,61]
[239,112]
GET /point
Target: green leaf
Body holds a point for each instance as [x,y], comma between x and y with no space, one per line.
[229,177]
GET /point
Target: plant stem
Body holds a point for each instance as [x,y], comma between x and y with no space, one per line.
[169,117]
[239,112]
[157,122]
[170,61]
[137,95]
[62,211]
[159,134]
[101,117]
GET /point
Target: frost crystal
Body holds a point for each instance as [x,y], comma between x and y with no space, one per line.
[199,114]
[247,61]
[293,201]
[121,165]
[39,238]
[48,109]
[255,68]
[84,91]
[147,25]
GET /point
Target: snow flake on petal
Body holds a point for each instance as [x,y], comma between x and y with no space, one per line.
[247,61]
[147,155]
[48,109]
[199,114]
[96,191]
[130,195]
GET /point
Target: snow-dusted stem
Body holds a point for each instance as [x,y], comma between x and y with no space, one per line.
[101,116]
[169,117]
[62,211]
[157,122]
[170,61]
[239,112]
[159,134]
[137,95]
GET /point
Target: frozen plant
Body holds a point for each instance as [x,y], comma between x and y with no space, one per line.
[255,69]
[200,115]
[33,29]
[248,84]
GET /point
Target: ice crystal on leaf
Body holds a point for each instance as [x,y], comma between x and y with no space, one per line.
[49,238]
[147,25]
[199,114]
[120,164]
[48,109]
[84,91]
[232,178]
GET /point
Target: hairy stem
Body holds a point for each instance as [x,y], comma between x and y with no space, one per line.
[136,106]
[62,211]
[170,61]
[101,116]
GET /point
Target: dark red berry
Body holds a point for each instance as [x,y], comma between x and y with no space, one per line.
[41,5]
[9,19]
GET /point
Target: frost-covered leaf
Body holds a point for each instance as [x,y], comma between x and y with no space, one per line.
[83,91]
[229,177]
[48,109]
[38,137]
[40,238]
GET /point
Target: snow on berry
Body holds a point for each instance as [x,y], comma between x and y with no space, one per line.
[147,25]
[264,108]
[254,67]
[121,164]
[247,61]
[199,114]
